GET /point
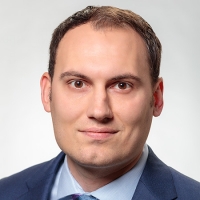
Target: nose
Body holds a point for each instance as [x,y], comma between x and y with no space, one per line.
[99,107]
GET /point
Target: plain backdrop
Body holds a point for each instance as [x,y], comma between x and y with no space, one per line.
[26,133]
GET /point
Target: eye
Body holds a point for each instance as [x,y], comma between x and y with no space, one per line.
[122,86]
[77,84]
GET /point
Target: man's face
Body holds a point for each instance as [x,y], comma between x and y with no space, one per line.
[102,99]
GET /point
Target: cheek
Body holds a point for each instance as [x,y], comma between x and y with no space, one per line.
[136,118]
[64,115]
[65,108]
[134,111]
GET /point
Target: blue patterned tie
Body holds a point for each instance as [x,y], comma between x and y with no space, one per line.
[79,197]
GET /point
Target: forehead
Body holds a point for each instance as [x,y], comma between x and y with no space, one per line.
[85,47]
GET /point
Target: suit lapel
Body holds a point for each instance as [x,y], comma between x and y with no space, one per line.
[156,181]
[40,183]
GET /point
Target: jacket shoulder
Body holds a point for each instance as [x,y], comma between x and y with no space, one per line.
[20,177]
[159,181]
[186,187]
[20,183]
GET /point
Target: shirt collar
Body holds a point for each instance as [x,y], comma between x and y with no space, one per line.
[121,188]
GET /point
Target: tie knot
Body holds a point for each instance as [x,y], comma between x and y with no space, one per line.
[79,197]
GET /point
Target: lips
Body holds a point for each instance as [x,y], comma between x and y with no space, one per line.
[99,133]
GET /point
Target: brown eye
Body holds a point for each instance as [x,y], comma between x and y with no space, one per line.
[123,85]
[78,84]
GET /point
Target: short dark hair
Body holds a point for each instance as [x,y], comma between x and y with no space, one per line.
[105,17]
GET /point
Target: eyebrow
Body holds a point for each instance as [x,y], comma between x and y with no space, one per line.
[116,78]
[126,76]
[73,73]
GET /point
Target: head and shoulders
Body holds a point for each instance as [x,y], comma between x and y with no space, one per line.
[102,92]
[102,89]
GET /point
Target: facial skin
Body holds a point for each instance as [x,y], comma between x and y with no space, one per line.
[102,102]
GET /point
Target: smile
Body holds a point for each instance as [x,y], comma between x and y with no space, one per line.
[99,133]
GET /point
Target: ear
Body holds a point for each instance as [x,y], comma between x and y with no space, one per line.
[45,85]
[158,98]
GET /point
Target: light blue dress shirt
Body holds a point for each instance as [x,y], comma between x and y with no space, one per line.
[121,188]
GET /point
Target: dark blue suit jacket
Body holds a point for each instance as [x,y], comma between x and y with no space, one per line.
[158,182]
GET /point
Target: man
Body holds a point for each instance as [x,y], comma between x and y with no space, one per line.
[102,89]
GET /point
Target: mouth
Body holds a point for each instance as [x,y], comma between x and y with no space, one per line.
[99,133]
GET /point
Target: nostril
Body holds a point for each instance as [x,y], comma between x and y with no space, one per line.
[106,120]
[103,120]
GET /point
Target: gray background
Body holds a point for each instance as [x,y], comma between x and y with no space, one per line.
[26,134]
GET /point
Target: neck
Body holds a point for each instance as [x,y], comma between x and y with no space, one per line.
[92,178]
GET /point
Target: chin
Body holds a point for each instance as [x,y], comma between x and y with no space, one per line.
[95,160]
